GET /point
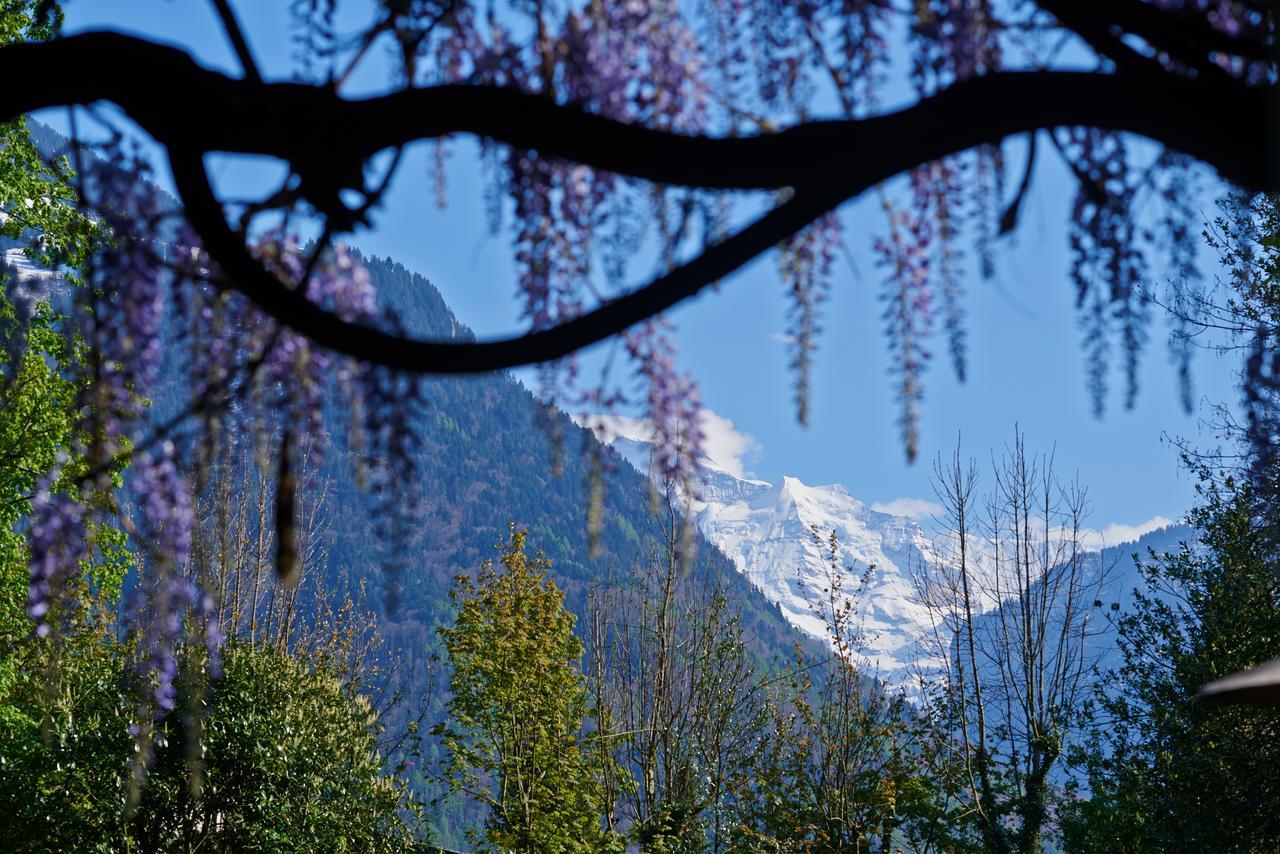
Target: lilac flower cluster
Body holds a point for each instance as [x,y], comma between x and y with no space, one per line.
[234,344]
[780,47]
[57,540]
[937,218]
[1108,267]
[164,502]
[144,265]
[342,283]
[170,597]
[130,276]
[673,406]
[955,40]
[123,321]
[1179,240]
[1238,19]
[646,62]
[636,61]
[217,328]
[390,403]
[952,40]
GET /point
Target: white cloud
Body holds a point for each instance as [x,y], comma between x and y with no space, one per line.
[609,427]
[723,445]
[1116,533]
[727,447]
[916,508]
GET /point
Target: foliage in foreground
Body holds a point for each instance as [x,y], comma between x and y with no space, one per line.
[279,752]
[1164,771]
[686,742]
[287,760]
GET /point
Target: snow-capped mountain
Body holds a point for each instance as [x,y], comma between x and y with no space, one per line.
[767,530]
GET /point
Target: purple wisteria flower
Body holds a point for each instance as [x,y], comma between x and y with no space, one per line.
[673,406]
[638,61]
[57,541]
[131,272]
[167,596]
[298,371]
[805,263]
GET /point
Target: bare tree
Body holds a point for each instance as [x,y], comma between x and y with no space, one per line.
[234,550]
[840,770]
[678,695]
[234,558]
[1008,660]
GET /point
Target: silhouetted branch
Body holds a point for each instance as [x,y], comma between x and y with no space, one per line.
[238,42]
[193,111]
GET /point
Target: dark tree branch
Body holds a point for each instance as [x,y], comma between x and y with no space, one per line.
[292,309]
[238,42]
[1009,219]
[1093,186]
[1096,30]
[192,111]
[183,104]
[1188,38]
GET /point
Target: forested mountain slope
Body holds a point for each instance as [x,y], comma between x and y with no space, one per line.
[487,458]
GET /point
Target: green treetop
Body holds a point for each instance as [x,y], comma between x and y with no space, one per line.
[514,738]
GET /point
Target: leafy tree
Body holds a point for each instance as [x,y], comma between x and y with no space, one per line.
[1164,771]
[36,192]
[61,702]
[292,763]
[518,709]
[282,751]
[1241,314]
[287,757]
[41,440]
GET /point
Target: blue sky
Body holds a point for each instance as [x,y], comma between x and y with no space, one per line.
[1026,364]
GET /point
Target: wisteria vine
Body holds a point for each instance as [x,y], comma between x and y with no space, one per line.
[149,305]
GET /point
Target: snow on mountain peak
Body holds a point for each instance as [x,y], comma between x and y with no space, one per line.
[768,531]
